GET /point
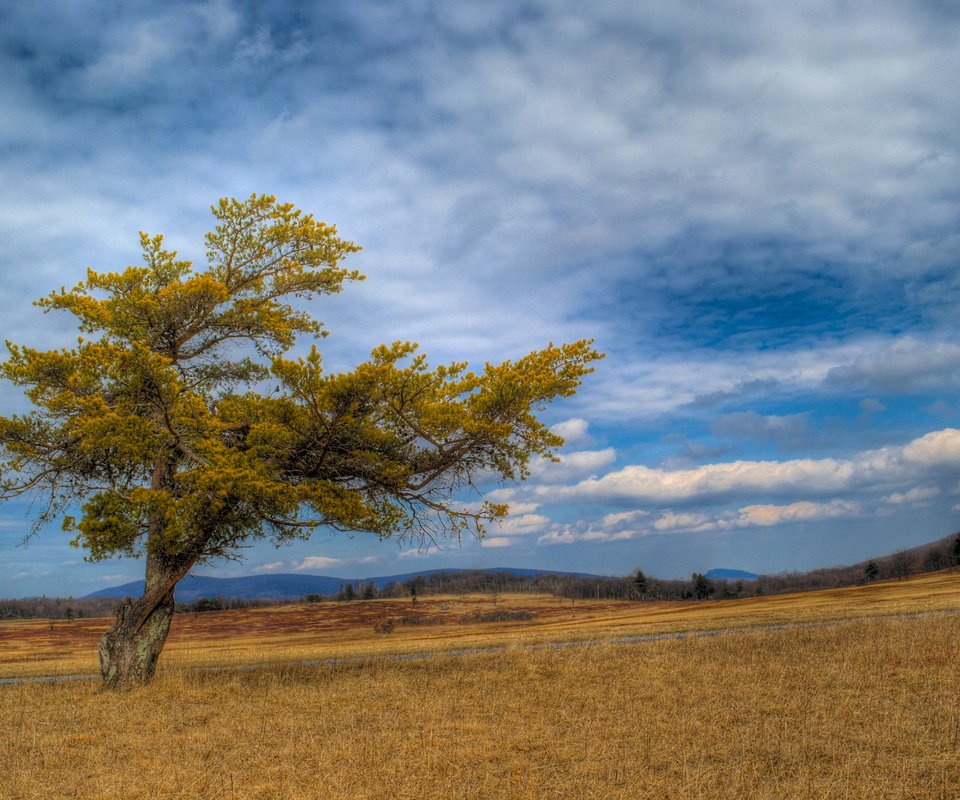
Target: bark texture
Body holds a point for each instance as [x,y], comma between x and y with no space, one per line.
[130,649]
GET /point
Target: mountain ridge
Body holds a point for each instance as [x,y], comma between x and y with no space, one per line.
[290,586]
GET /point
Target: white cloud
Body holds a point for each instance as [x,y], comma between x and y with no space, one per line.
[270,567]
[905,365]
[558,537]
[574,432]
[522,525]
[621,519]
[496,541]
[918,494]
[519,508]
[765,515]
[314,562]
[818,476]
[670,521]
[711,480]
[572,466]
[421,552]
[665,382]
[938,448]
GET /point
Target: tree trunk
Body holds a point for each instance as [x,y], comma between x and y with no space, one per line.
[130,649]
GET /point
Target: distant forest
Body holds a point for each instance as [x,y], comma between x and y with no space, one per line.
[941,554]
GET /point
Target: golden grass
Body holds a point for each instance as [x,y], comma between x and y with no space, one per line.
[864,710]
[346,630]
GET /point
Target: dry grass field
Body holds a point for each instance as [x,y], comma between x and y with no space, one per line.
[866,709]
[317,631]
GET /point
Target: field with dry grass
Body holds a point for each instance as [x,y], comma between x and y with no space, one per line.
[864,709]
[319,631]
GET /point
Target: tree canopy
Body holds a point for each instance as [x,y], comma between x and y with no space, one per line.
[178,426]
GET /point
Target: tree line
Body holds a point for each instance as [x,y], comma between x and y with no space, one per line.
[938,555]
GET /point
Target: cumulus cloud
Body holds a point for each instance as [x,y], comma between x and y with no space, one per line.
[496,541]
[918,494]
[756,515]
[518,509]
[419,552]
[812,476]
[572,466]
[575,432]
[521,525]
[271,566]
[622,519]
[314,562]
[686,522]
[939,448]
[669,521]
[558,537]
[794,512]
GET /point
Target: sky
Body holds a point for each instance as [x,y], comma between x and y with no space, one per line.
[753,207]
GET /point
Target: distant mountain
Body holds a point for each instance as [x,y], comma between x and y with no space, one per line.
[291,587]
[730,575]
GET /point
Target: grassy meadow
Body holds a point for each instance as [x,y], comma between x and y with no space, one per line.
[865,709]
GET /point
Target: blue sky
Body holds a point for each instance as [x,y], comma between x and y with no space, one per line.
[752,206]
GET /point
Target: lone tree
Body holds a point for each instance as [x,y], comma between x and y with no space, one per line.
[702,586]
[152,431]
[639,585]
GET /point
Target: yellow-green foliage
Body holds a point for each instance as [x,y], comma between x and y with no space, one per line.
[152,424]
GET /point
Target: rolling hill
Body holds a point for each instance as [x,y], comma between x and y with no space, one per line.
[293,586]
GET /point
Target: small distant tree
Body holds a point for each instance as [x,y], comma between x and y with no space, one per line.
[871,571]
[68,613]
[640,585]
[370,591]
[204,604]
[346,592]
[935,559]
[702,586]
[902,565]
[415,588]
[150,437]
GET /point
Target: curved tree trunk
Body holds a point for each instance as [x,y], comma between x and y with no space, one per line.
[130,649]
